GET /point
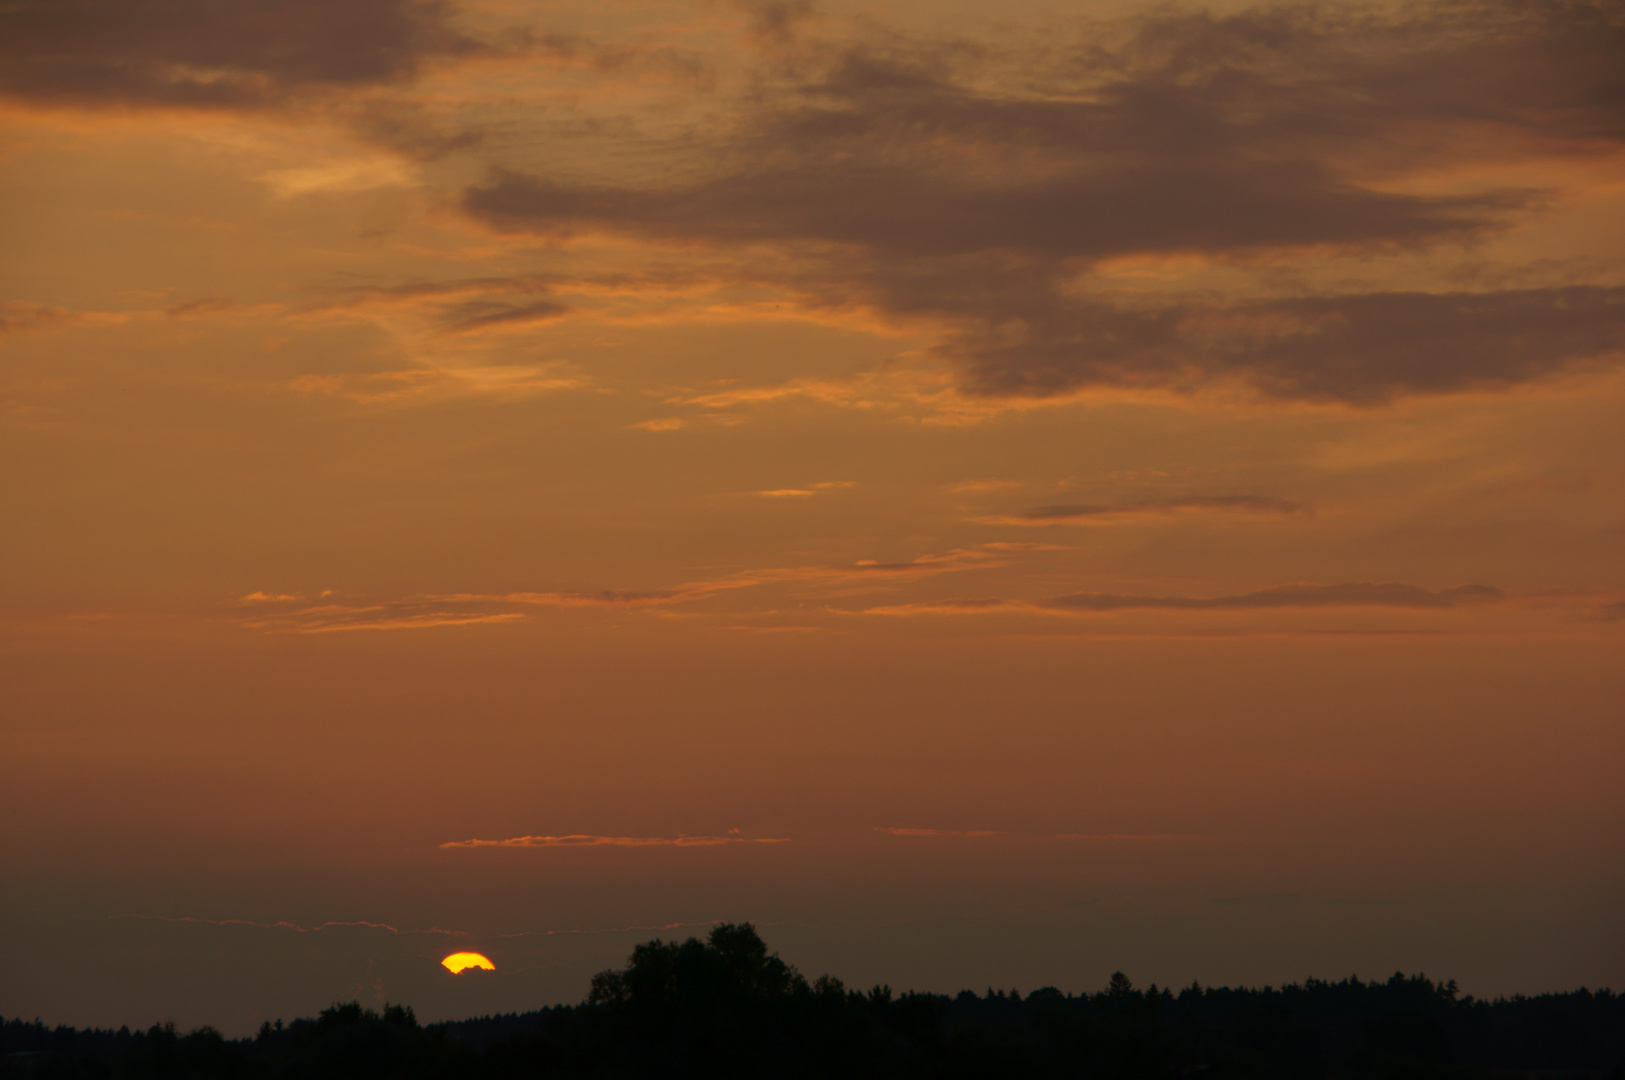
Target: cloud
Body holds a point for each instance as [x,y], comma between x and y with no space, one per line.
[581,840]
[611,930]
[909,833]
[204,54]
[947,562]
[469,609]
[1072,514]
[361,924]
[415,614]
[1362,349]
[1024,545]
[937,832]
[1165,133]
[1350,594]
[795,493]
[421,621]
[1270,900]
[980,187]
[508,318]
[610,598]
[20,317]
[376,387]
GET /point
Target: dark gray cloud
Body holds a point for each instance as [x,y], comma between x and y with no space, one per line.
[912,179]
[214,53]
[1351,594]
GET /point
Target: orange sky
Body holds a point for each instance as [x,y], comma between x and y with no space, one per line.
[1096,486]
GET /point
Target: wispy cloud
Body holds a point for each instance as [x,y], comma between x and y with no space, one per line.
[1267,900]
[1357,593]
[424,621]
[1096,513]
[1389,594]
[810,490]
[519,317]
[641,929]
[368,388]
[296,928]
[279,611]
[20,317]
[936,832]
[584,840]
[981,833]
[339,618]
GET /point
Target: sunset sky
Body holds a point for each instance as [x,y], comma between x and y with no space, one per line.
[994,494]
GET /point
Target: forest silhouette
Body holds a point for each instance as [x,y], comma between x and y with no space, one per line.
[726,1007]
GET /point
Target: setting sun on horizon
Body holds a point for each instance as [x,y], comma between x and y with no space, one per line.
[459,962]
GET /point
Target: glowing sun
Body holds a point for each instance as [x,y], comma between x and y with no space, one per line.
[462,961]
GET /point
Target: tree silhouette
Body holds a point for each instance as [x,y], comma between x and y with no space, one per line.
[731,968]
[726,1007]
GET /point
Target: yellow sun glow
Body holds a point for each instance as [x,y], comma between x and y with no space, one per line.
[460,961]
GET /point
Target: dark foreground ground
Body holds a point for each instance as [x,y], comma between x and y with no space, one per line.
[726,1008]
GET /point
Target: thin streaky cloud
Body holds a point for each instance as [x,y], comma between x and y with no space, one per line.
[1389,594]
[1268,900]
[412,622]
[615,929]
[1351,594]
[295,927]
[508,318]
[19,317]
[585,840]
[1025,545]
[889,831]
[912,833]
[1091,513]
[408,613]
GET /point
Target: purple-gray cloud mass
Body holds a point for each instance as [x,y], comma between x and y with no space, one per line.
[214,54]
[911,184]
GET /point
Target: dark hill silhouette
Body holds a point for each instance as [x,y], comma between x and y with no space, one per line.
[726,1007]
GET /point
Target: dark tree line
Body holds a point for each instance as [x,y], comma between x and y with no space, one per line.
[726,1007]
